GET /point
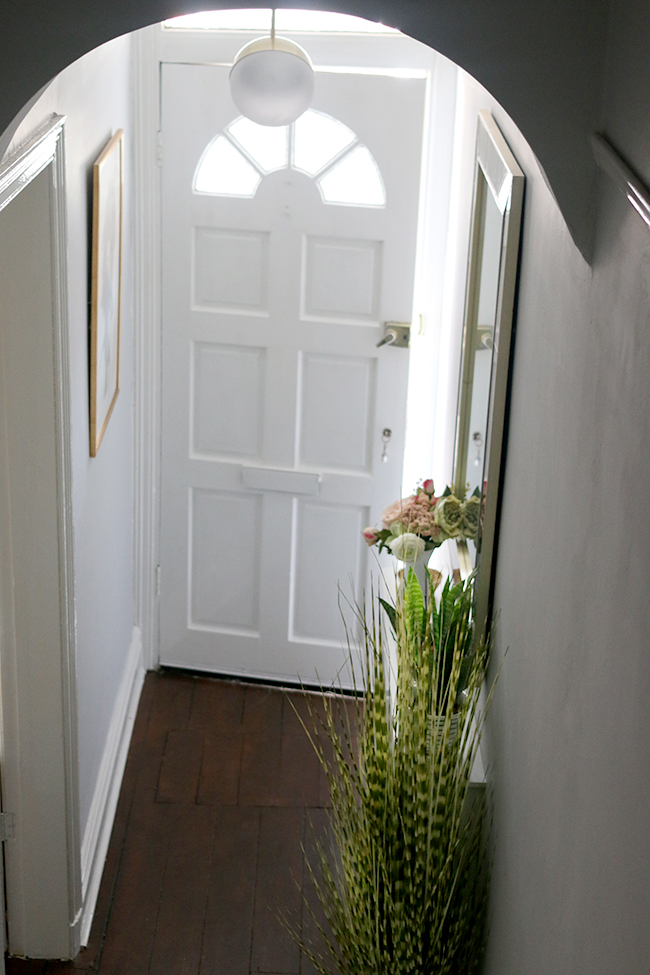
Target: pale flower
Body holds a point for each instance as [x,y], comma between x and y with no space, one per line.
[471,516]
[437,535]
[407,547]
[449,515]
[371,535]
[397,511]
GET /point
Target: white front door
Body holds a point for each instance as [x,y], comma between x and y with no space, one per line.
[284,252]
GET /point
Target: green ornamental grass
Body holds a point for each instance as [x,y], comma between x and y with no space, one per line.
[403,885]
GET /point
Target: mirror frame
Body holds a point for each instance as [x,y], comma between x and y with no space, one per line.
[498,173]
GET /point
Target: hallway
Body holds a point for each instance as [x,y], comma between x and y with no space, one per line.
[220,787]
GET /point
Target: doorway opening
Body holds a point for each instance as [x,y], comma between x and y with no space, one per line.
[251,496]
[105,708]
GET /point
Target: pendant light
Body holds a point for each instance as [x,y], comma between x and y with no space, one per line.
[272,80]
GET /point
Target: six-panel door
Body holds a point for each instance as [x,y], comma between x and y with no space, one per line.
[283,254]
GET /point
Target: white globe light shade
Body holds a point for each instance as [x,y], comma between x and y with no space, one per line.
[272,81]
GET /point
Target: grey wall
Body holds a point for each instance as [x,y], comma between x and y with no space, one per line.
[542,60]
[570,729]
[95,95]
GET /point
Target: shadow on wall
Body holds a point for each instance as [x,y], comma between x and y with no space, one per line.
[543,62]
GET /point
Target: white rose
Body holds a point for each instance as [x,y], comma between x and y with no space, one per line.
[407,547]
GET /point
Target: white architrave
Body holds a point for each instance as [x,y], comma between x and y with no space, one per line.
[151,47]
[147,368]
[44,904]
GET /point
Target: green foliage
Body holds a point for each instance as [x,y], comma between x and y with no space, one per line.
[448,628]
[404,886]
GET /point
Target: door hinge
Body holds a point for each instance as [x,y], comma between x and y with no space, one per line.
[159,147]
[7,826]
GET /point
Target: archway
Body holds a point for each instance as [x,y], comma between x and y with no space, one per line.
[91,113]
[176,11]
[543,63]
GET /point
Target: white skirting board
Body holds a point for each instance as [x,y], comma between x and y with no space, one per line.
[102,809]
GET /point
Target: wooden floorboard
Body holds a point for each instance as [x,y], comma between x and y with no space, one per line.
[205,866]
[180,767]
[259,782]
[228,930]
[316,830]
[220,769]
[277,891]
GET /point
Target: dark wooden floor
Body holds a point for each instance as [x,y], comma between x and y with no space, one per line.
[220,788]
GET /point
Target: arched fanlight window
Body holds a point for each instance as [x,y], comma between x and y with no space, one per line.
[267,146]
[224,171]
[316,144]
[354,180]
[317,140]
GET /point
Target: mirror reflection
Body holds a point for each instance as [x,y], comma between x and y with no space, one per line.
[492,267]
[482,344]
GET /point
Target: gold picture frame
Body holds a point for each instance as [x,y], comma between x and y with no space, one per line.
[106,286]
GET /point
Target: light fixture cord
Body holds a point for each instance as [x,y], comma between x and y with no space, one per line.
[273,28]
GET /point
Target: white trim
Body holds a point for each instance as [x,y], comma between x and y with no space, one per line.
[26,730]
[147,364]
[152,46]
[63,421]
[624,178]
[109,780]
[30,160]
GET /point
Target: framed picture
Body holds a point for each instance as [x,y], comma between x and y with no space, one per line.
[108,186]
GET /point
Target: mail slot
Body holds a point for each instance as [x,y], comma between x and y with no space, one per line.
[276,479]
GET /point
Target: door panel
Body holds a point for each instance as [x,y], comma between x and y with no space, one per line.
[274,393]
[339,437]
[227,389]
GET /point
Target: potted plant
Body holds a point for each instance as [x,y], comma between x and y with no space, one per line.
[403,887]
[442,627]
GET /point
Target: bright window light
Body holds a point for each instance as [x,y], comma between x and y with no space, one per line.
[267,145]
[299,21]
[223,171]
[222,20]
[317,140]
[355,180]
[320,20]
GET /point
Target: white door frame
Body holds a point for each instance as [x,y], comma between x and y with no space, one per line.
[43,875]
[147,351]
[150,47]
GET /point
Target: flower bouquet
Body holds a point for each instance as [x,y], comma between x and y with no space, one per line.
[417,524]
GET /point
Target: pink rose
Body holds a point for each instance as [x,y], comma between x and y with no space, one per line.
[371,535]
[398,511]
[427,486]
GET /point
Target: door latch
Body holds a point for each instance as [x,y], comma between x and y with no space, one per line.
[397,334]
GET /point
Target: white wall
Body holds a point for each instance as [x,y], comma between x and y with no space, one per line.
[94,94]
